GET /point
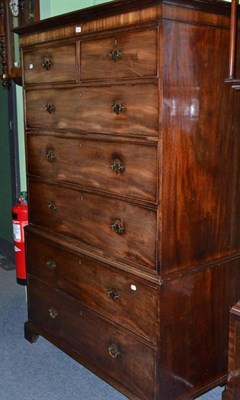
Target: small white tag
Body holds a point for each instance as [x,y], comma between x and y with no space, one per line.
[78,29]
[134,288]
[16,249]
[16,232]
[30,66]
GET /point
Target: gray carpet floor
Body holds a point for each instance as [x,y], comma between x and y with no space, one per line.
[40,371]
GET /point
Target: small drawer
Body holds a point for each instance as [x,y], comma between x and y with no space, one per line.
[115,227]
[124,169]
[126,55]
[106,347]
[116,109]
[101,287]
[50,64]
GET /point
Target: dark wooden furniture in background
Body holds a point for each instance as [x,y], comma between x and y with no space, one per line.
[12,14]
[232,78]
[29,12]
[233,42]
[133,178]
[232,391]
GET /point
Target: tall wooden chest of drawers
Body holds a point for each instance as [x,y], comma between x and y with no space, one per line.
[133,164]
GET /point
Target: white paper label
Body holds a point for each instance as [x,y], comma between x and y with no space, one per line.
[16,249]
[16,232]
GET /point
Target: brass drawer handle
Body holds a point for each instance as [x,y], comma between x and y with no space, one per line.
[118,227]
[51,264]
[49,108]
[115,55]
[118,107]
[117,166]
[47,63]
[113,351]
[113,294]
[53,313]
[52,206]
[50,155]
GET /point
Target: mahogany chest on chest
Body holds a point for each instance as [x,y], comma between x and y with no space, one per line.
[133,164]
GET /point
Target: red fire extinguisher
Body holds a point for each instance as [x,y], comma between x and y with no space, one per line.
[19,220]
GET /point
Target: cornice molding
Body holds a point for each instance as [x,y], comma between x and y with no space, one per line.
[121,6]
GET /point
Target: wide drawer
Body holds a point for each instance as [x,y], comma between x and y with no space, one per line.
[116,109]
[116,227]
[112,351]
[125,55]
[101,287]
[50,64]
[125,169]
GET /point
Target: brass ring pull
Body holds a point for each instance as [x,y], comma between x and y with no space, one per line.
[51,264]
[52,206]
[117,166]
[113,351]
[50,155]
[53,313]
[115,55]
[49,108]
[113,294]
[118,227]
[118,107]
[47,63]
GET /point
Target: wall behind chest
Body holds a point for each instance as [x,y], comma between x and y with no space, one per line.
[5,171]
[50,8]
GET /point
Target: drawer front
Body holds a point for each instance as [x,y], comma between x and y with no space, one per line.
[119,355]
[120,109]
[126,55]
[123,230]
[50,64]
[121,168]
[95,284]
